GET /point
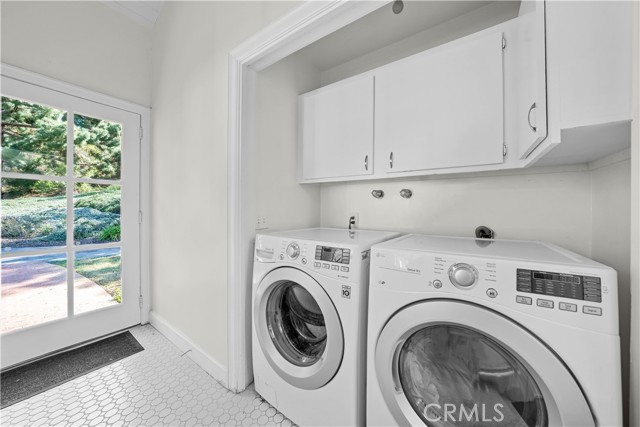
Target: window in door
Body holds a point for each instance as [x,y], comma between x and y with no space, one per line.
[70,220]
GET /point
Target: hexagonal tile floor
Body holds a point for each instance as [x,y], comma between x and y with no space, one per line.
[156,387]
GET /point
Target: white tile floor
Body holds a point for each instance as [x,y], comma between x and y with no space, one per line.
[156,387]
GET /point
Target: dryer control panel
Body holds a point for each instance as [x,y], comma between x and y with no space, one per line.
[585,288]
[578,292]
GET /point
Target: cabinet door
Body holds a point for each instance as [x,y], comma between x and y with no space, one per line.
[525,82]
[337,130]
[442,108]
[590,62]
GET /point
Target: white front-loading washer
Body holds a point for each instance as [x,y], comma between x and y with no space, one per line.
[310,291]
[469,332]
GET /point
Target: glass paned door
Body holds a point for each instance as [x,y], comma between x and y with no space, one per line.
[70,231]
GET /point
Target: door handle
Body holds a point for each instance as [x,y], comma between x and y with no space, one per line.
[391,160]
[366,162]
[533,128]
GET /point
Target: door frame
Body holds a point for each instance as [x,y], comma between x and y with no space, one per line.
[145,151]
[302,26]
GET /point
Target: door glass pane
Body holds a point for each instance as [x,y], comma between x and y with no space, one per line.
[296,324]
[456,376]
[97,148]
[33,214]
[34,138]
[97,282]
[34,290]
[97,213]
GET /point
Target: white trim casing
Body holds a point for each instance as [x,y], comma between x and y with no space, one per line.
[195,353]
[304,25]
[145,209]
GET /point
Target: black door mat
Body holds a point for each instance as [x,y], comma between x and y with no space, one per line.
[25,381]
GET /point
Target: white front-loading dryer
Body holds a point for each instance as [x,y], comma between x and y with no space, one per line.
[310,291]
[466,332]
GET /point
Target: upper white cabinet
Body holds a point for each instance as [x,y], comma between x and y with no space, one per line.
[337,130]
[589,78]
[550,86]
[441,108]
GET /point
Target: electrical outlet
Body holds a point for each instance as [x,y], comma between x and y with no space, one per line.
[356,215]
[261,223]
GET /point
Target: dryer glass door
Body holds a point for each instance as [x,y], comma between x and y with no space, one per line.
[452,374]
[452,363]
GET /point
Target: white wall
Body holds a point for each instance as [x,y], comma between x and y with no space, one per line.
[610,236]
[634,412]
[285,203]
[191,43]
[516,204]
[84,43]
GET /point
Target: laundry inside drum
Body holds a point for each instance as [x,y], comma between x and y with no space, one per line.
[453,375]
[296,324]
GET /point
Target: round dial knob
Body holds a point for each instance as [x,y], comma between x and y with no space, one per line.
[293,250]
[463,275]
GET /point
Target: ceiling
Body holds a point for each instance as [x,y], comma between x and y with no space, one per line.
[143,12]
[382,28]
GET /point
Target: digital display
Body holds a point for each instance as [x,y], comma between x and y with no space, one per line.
[556,277]
[337,255]
[584,288]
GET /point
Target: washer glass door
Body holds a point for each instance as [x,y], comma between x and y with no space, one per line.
[298,327]
[296,324]
[452,374]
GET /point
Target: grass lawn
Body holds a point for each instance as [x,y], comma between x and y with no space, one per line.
[105,271]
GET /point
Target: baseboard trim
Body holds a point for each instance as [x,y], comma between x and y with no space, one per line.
[210,365]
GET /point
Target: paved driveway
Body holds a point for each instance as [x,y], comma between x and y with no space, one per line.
[34,292]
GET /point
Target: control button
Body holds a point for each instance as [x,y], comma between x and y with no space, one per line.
[544,303]
[325,265]
[523,300]
[345,269]
[595,311]
[463,275]
[317,264]
[334,267]
[492,293]
[293,250]
[567,306]
[304,261]
[437,284]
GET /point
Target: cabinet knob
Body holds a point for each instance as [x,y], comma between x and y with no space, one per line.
[391,160]
[366,162]
[533,106]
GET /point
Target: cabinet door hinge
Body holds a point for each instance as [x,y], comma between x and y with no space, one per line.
[141,133]
[140,301]
[504,43]
[139,217]
[504,151]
